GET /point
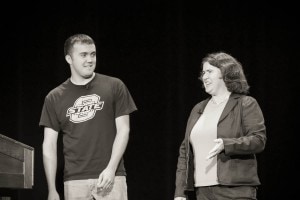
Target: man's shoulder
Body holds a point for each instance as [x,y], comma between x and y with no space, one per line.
[59,89]
[108,78]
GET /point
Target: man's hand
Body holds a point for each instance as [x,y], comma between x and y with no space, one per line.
[180,198]
[106,179]
[53,195]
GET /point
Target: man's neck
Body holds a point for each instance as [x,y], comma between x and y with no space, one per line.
[80,80]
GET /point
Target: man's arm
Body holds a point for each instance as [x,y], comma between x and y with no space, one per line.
[50,161]
[106,178]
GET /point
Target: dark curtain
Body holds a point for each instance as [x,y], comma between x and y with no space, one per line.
[156,48]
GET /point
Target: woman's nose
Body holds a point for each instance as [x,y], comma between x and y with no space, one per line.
[204,76]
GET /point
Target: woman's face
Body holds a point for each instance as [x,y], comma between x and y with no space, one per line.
[212,79]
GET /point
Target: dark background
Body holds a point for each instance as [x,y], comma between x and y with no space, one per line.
[156,48]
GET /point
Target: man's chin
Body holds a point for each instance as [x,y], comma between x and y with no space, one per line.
[88,76]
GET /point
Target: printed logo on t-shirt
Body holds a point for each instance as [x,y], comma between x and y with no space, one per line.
[85,108]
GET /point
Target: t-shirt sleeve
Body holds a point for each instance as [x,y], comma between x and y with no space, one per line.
[124,103]
[48,115]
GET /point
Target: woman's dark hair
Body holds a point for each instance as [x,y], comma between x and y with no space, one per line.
[231,70]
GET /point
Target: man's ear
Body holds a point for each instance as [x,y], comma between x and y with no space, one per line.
[68,59]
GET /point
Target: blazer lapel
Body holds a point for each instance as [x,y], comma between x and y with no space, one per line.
[196,116]
[233,99]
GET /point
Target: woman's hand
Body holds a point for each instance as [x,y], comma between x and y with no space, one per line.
[217,149]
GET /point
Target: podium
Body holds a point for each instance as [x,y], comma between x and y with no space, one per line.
[16,164]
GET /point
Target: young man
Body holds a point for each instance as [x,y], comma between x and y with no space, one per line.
[91,110]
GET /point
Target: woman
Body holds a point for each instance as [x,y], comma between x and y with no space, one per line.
[223,134]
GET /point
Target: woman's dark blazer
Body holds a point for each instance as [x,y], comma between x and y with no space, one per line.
[242,129]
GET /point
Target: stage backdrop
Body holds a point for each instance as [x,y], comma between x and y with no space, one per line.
[156,48]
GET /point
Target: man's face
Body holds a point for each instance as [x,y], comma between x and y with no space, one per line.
[82,60]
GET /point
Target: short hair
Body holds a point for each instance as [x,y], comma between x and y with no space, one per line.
[77,38]
[231,70]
